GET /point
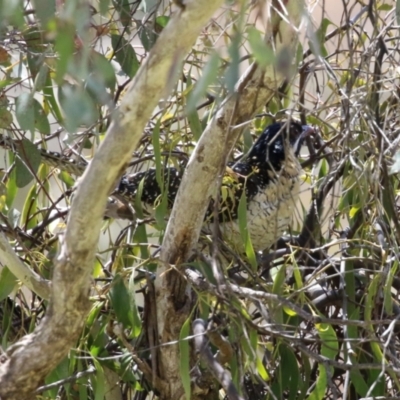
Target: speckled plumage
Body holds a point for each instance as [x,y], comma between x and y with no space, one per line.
[268,175]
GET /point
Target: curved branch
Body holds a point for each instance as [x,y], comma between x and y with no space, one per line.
[223,376]
[28,277]
[26,363]
[207,162]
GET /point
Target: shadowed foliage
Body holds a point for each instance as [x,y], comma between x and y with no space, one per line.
[314,315]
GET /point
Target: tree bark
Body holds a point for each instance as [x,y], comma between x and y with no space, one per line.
[208,160]
[25,364]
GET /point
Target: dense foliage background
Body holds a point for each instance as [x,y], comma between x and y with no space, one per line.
[315,317]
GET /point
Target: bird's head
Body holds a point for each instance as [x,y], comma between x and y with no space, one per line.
[276,141]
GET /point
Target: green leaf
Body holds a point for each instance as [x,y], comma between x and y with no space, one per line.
[146,36]
[279,280]
[358,381]
[67,179]
[136,320]
[24,111]
[157,153]
[232,72]
[387,294]
[242,217]
[8,282]
[41,121]
[385,7]
[103,70]
[99,386]
[193,116]
[123,7]
[41,77]
[289,371]
[121,302]
[184,356]
[317,43]
[65,47]
[45,9]
[125,55]
[209,76]
[162,20]
[78,107]
[50,100]
[27,162]
[398,12]
[34,41]
[329,349]
[262,53]
[6,118]
[103,6]
[29,209]
[11,184]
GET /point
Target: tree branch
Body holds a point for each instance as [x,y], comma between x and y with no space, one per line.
[207,162]
[27,362]
[223,376]
[27,276]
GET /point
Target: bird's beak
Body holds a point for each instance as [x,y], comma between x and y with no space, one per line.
[307,130]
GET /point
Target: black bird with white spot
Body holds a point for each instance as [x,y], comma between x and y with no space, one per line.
[268,176]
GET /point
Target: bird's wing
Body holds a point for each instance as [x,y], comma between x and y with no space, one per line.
[238,178]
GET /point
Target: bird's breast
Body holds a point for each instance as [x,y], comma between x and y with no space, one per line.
[269,213]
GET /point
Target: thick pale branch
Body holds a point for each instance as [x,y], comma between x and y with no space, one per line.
[27,363]
[253,90]
[28,277]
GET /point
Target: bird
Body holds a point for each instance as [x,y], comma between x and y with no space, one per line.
[268,176]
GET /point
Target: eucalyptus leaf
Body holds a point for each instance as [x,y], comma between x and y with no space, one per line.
[7,283]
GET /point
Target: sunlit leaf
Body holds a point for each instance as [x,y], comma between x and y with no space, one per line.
[29,209]
[329,349]
[99,386]
[162,20]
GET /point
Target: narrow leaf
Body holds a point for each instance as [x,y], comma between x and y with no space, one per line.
[27,162]
[209,76]
[7,283]
[121,302]
[125,55]
[184,355]
[24,111]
